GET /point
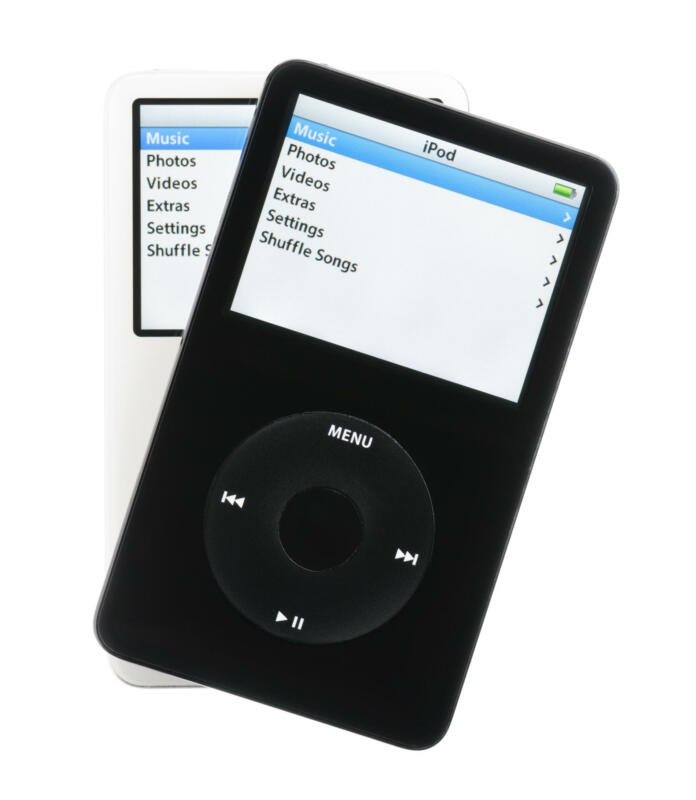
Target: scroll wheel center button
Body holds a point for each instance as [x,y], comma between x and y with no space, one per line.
[320,528]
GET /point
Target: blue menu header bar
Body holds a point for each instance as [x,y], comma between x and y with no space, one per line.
[432,172]
[193,138]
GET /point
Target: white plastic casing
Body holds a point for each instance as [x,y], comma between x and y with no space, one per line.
[137,368]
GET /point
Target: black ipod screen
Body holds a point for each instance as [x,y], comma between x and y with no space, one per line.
[420,252]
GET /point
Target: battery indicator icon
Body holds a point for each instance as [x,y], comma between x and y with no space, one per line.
[564,191]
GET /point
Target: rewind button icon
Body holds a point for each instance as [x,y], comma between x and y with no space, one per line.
[233,500]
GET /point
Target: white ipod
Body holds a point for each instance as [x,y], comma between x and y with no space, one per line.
[173,141]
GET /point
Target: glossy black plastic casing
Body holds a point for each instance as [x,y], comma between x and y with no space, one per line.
[161,607]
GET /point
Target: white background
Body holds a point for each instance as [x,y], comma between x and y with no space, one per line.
[583,682]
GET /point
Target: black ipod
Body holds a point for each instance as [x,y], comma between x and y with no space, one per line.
[359,396]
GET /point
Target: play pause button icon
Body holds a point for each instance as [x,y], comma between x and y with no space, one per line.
[297,622]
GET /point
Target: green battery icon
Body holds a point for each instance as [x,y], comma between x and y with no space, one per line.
[565,191]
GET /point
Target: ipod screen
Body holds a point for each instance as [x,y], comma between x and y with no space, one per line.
[185,156]
[407,248]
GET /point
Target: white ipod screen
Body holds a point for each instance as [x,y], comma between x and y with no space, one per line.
[185,155]
[407,248]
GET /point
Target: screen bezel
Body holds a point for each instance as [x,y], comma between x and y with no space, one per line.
[138,329]
[212,316]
